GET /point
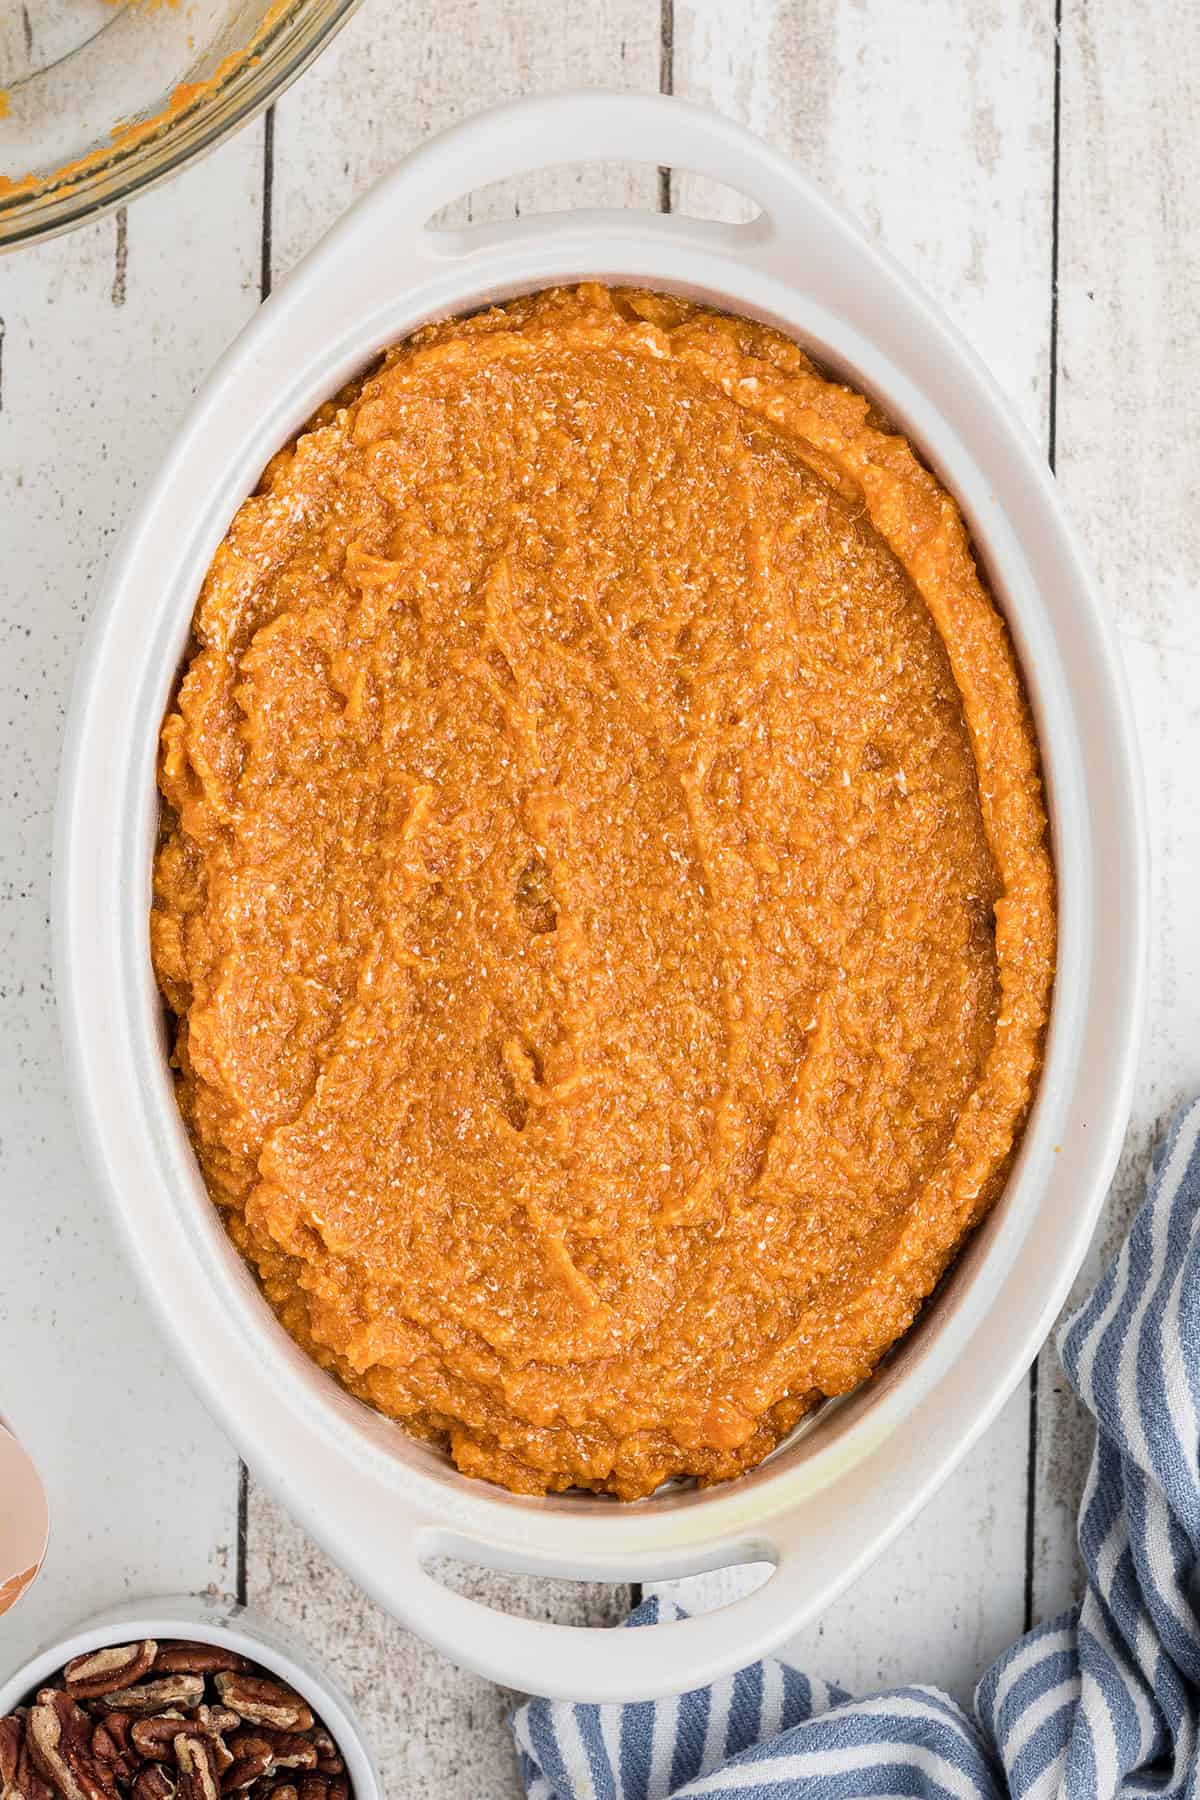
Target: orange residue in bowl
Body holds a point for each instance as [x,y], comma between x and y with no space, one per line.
[126,134]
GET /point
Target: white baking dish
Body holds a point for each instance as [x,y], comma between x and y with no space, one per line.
[823,1507]
[208,1622]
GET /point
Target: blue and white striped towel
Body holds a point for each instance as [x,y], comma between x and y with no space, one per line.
[1103,1701]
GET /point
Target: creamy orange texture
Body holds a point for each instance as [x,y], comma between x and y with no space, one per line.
[603,889]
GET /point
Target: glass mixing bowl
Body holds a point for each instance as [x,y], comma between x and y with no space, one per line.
[101,98]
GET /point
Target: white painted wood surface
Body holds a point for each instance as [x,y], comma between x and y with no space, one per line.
[104,341]
[989,154]
[1129,462]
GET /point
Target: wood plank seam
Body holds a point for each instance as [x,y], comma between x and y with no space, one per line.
[121,259]
[268,191]
[243,1531]
[1031,1470]
[666,84]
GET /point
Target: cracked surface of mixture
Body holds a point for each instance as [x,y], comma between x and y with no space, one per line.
[603,889]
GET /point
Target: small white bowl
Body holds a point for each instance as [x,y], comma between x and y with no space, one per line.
[210,1622]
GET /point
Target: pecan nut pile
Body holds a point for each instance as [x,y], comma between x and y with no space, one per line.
[179,1721]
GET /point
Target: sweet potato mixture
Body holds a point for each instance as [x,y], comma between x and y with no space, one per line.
[603,889]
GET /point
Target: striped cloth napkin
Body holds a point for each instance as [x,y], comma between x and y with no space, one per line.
[1102,1701]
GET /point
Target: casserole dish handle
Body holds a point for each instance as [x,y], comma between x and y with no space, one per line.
[549,131]
[605,1664]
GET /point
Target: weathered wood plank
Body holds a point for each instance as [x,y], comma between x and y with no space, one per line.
[934,125]
[390,81]
[386,84]
[1128,348]
[104,339]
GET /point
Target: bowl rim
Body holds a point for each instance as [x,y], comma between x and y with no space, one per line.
[208,1621]
[301,346]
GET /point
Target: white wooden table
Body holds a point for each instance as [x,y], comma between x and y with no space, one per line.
[1038,173]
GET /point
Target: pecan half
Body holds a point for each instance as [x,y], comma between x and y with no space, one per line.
[59,1736]
[102,1671]
[157,1696]
[197,1764]
[216,1721]
[112,1755]
[289,1749]
[284,1792]
[244,1773]
[328,1759]
[27,1783]
[12,1737]
[104,1747]
[117,1726]
[261,1701]
[154,1738]
[154,1783]
[198,1659]
[314,1787]
[252,1759]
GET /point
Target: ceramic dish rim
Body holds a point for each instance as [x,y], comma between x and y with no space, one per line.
[733,267]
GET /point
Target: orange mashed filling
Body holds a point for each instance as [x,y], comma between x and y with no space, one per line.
[603,890]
